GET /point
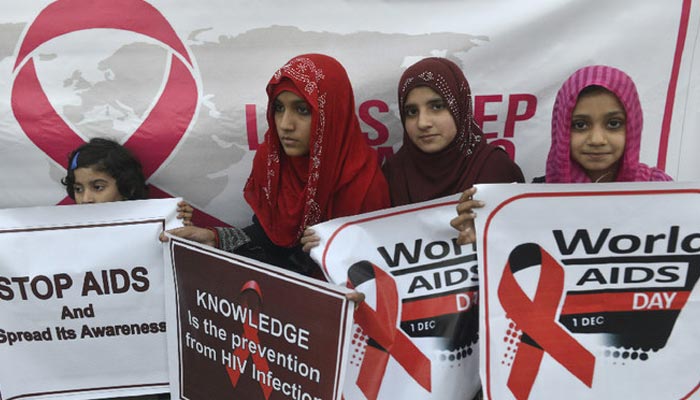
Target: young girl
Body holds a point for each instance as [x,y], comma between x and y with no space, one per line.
[102,170]
[596,135]
[444,151]
[597,130]
[314,165]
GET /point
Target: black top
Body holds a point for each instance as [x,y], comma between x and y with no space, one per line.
[253,242]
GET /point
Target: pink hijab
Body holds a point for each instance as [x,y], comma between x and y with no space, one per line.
[560,167]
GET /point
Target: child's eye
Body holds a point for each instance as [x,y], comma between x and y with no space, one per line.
[438,106]
[99,187]
[303,109]
[411,111]
[77,189]
[579,124]
[278,107]
[616,123]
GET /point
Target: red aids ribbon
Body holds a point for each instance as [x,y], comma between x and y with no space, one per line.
[168,120]
[386,339]
[251,333]
[537,319]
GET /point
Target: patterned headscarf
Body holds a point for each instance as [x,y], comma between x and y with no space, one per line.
[416,176]
[560,167]
[339,177]
[447,79]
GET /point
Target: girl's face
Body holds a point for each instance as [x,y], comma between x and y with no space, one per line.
[92,186]
[598,130]
[428,122]
[293,121]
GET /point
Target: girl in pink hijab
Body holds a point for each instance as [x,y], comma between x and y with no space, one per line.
[596,136]
[597,130]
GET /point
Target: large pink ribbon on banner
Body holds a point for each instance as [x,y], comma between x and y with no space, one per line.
[537,319]
[381,325]
[167,122]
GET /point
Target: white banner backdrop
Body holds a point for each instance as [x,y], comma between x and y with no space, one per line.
[82,312]
[416,334]
[590,291]
[182,83]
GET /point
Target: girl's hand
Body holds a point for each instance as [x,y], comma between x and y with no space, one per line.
[464,222]
[357,297]
[309,240]
[199,235]
[184,212]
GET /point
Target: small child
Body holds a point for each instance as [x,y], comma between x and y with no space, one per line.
[597,130]
[596,137]
[444,151]
[102,171]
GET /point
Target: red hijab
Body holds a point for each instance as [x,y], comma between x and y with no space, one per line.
[339,177]
[415,176]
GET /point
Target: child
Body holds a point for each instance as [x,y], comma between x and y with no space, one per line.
[102,170]
[596,135]
[444,151]
[597,130]
[314,165]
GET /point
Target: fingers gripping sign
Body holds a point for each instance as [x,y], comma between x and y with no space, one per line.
[464,221]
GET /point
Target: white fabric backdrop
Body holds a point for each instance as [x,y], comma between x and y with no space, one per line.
[104,82]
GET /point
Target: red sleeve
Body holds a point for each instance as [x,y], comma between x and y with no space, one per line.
[377,197]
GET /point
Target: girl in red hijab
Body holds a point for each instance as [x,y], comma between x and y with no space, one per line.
[314,165]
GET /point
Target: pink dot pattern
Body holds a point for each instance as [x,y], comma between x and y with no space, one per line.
[358,344]
[512,341]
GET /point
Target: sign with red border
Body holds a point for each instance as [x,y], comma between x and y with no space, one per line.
[590,291]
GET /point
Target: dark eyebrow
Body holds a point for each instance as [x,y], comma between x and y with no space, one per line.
[607,115]
[294,103]
[435,100]
[613,113]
